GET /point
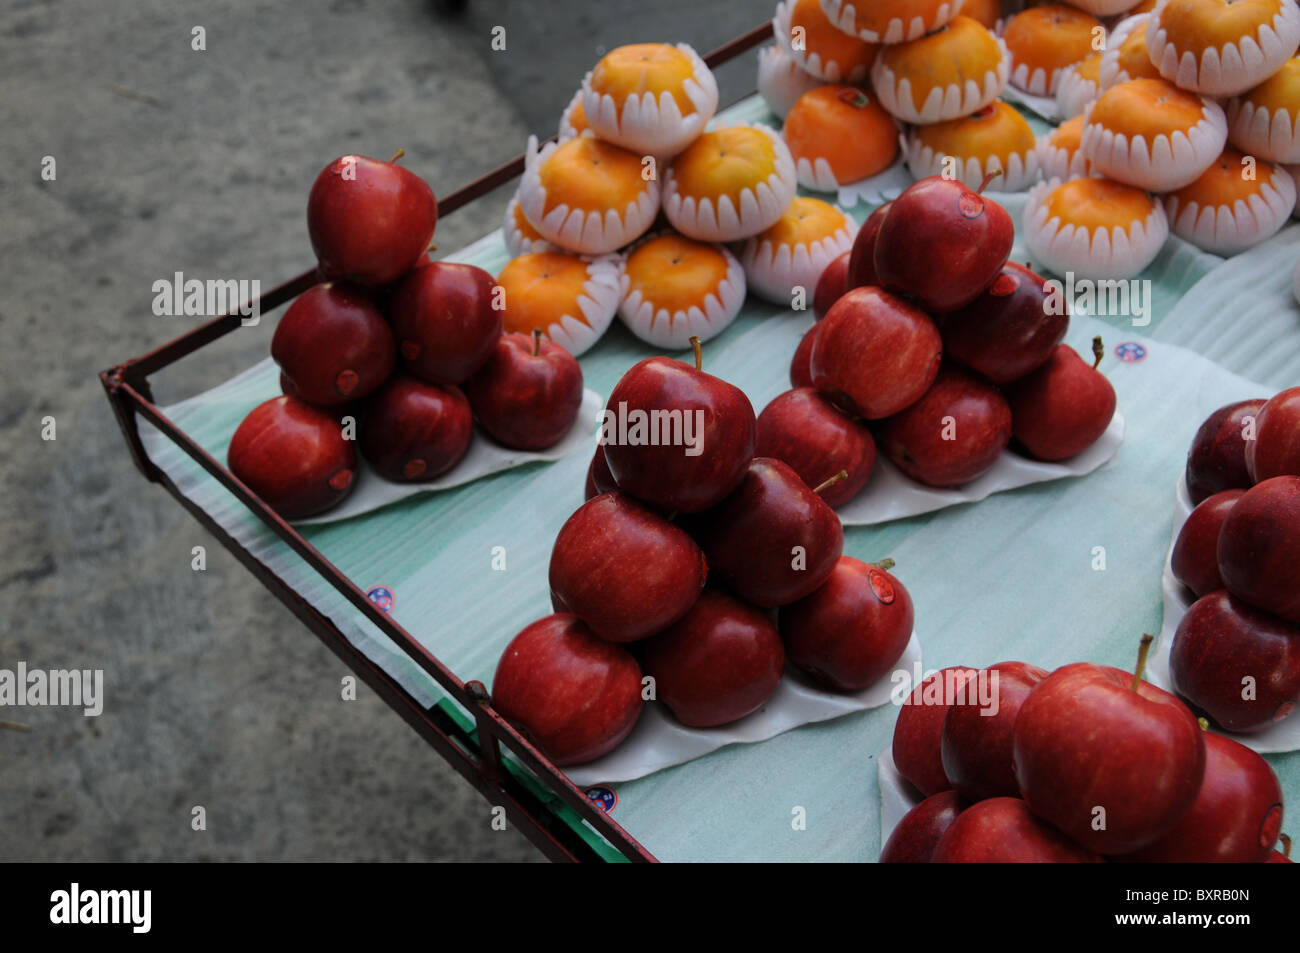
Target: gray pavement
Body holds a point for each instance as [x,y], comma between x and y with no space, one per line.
[170,159]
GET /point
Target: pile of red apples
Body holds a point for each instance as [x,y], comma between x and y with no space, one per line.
[392,352]
[1080,765]
[931,343]
[692,578]
[1236,653]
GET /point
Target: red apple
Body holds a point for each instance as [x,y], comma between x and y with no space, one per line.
[528,394]
[369,221]
[1009,329]
[942,243]
[918,732]
[1195,559]
[831,285]
[599,479]
[875,353]
[919,832]
[1111,763]
[415,432]
[1239,665]
[573,695]
[333,345]
[624,570]
[849,633]
[1259,547]
[1235,818]
[444,321]
[772,540]
[1061,409]
[862,258]
[1002,830]
[1217,458]
[695,438]
[976,742]
[1275,451]
[800,372]
[804,430]
[953,434]
[294,457]
[720,662]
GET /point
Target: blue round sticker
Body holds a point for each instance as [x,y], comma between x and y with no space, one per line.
[382,597]
[605,797]
[1130,352]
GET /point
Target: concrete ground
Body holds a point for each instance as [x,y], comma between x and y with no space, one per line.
[166,159]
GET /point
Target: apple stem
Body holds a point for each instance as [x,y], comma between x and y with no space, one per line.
[1205,725]
[1098,351]
[15,726]
[671,516]
[1286,845]
[886,564]
[397,155]
[826,484]
[433,246]
[1143,648]
[537,341]
[699,352]
[987,179]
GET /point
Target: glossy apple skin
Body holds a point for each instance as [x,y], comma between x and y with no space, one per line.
[624,570]
[914,439]
[294,457]
[942,243]
[444,321]
[800,371]
[1002,830]
[750,537]
[1061,409]
[808,433]
[919,832]
[599,479]
[1219,642]
[834,281]
[1195,559]
[575,696]
[976,747]
[862,258]
[918,732]
[1275,451]
[333,345]
[414,432]
[1236,817]
[720,662]
[1216,460]
[369,221]
[874,353]
[1007,331]
[524,400]
[1085,740]
[849,634]
[1259,547]
[664,475]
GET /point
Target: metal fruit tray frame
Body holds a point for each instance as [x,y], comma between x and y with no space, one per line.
[465,730]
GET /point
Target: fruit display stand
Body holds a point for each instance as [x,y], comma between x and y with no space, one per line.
[1051,573]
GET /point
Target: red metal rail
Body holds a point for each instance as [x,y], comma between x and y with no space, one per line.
[479,761]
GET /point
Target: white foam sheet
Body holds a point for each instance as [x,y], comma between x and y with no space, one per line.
[484,457]
[890,495]
[1044,106]
[659,741]
[897,797]
[1280,737]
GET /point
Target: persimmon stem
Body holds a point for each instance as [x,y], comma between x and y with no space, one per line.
[537,341]
[826,484]
[1143,648]
[1098,352]
[397,155]
[699,352]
